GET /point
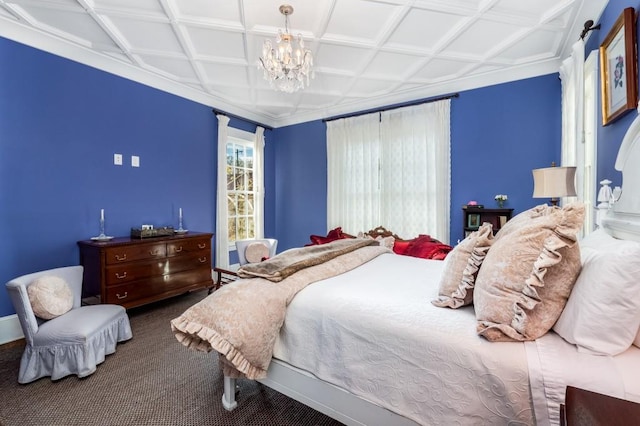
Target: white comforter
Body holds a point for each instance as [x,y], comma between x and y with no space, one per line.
[404,354]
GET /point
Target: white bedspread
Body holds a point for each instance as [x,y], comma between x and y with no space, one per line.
[555,364]
[374,332]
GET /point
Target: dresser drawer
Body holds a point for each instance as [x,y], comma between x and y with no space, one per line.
[130,293]
[183,263]
[131,271]
[122,254]
[177,248]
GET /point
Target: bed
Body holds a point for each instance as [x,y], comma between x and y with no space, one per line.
[367,346]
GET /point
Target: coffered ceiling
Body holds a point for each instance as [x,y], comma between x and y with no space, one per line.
[367,53]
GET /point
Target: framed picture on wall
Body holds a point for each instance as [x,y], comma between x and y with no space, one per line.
[618,68]
[473,220]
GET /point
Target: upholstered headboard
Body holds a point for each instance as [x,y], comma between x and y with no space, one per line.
[623,220]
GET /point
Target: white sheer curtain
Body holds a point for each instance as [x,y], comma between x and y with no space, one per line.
[222,225]
[391,169]
[416,172]
[578,149]
[572,77]
[353,178]
[258,182]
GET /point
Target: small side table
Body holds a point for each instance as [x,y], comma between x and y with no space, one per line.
[223,276]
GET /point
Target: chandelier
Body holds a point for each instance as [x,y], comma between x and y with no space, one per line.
[287,67]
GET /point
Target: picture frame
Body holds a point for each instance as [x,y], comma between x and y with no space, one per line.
[473,220]
[619,68]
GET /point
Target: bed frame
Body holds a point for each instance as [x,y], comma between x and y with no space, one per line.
[324,397]
[622,221]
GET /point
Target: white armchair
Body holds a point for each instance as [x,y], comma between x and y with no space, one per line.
[72,343]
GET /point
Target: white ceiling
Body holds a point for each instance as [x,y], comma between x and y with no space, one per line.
[367,53]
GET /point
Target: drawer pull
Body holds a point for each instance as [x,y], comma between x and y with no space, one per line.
[179,249]
[118,276]
[202,259]
[124,296]
[154,253]
[120,259]
[201,246]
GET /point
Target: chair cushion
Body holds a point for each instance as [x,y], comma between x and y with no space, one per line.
[50,297]
[256,252]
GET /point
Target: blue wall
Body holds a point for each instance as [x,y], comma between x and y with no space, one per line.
[60,124]
[498,135]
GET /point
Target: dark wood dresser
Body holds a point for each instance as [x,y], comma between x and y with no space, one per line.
[132,272]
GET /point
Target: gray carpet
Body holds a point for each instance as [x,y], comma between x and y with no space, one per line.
[150,380]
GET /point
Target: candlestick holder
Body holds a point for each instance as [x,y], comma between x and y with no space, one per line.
[180,229]
[102,236]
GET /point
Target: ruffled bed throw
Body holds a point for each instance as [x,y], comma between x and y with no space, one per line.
[241,320]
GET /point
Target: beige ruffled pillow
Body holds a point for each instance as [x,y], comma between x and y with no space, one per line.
[528,274]
[461,268]
[50,297]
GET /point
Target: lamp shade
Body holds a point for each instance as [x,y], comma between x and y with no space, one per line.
[554,182]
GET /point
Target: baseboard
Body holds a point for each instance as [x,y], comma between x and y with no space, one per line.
[10,329]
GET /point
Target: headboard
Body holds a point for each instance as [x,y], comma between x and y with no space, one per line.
[623,220]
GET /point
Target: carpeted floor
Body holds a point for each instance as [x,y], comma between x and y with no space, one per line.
[150,380]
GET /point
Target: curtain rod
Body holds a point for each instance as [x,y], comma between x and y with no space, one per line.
[217,111]
[355,114]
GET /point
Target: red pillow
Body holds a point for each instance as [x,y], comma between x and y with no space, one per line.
[400,247]
[426,247]
[334,234]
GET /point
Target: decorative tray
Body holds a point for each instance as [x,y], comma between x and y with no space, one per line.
[150,233]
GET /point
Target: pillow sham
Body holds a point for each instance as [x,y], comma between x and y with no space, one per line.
[602,315]
[461,268]
[50,297]
[527,276]
[519,220]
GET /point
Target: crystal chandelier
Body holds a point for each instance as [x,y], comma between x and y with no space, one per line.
[287,67]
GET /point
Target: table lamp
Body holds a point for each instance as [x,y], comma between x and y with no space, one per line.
[554,182]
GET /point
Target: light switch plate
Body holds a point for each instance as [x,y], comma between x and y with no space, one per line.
[117,159]
[135,161]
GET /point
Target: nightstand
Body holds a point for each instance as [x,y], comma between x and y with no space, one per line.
[583,407]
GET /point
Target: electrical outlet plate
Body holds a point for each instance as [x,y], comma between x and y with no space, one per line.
[135,161]
[117,159]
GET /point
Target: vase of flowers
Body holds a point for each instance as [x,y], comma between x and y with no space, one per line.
[501,199]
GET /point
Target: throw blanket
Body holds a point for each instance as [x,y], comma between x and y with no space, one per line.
[291,261]
[241,320]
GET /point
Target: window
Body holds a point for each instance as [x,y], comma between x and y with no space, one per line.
[241,191]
